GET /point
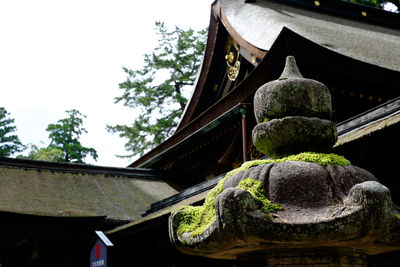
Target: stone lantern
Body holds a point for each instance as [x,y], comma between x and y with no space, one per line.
[299,207]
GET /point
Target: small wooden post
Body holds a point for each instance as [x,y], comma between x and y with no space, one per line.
[244,133]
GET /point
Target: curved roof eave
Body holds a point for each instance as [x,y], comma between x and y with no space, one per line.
[217,16]
[260,23]
[204,68]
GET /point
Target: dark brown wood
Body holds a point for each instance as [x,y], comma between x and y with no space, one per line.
[379,112]
[224,160]
[208,58]
[244,137]
[218,24]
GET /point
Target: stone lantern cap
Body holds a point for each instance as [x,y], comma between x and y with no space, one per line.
[293,115]
[304,201]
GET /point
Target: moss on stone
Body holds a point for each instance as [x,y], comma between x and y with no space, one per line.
[255,188]
[264,120]
[319,158]
[195,219]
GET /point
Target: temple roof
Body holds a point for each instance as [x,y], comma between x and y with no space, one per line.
[261,22]
[60,190]
[356,56]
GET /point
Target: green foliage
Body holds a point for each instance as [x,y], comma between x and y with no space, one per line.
[156,91]
[195,220]
[9,143]
[44,154]
[64,136]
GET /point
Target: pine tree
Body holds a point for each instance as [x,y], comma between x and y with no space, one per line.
[65,134]
[157,91]
[9,143]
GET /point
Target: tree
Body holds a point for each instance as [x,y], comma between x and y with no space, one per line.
[157,90]
[64,136]
[44,153]
[9,143]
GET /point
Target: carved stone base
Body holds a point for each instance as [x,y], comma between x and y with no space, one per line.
[313,258]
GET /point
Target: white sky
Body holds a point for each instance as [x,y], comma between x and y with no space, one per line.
[57,55]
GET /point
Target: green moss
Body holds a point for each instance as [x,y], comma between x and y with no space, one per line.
[319,158]
[397,216]
[195,220]
[264,120]
[255,188]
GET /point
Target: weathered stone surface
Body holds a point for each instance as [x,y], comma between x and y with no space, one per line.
[292,135]
[375,198]
[300,184]
[309,185]
[323,207]
[293,115]
[292,97]
[345,177]
[290,70]
[260,173]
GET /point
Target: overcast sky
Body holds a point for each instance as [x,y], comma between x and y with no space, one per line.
[60,55]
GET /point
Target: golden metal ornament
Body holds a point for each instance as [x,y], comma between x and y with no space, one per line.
[230,57]
[229,43]
[233,70]
[232,60]
[253,59]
